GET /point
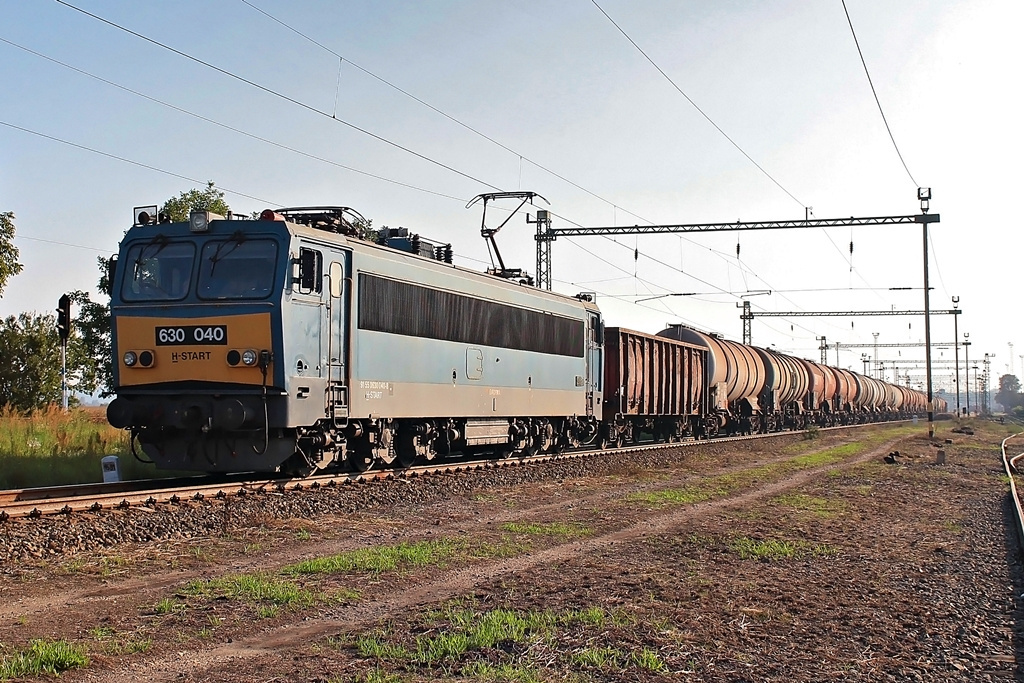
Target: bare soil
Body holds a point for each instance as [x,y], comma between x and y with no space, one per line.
[783,559]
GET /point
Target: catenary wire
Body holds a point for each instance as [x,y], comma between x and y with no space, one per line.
[935,260]
[63,244]
[280,95]
[272,92]
[225,126]
[298,102]
[695,106]
[873,92]
[724,134]
[353,126]
[141,165]
[522,157]
[472,129]
[132,162]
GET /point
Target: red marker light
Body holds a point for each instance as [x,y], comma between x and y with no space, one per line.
[270,215]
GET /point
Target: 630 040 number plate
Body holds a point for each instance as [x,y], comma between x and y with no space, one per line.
[192,335]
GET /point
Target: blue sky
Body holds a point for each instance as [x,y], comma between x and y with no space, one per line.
[559,85]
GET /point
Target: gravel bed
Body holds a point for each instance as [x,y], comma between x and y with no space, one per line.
[58,535]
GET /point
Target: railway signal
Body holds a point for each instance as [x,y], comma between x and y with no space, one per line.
[64,317]
[64,330]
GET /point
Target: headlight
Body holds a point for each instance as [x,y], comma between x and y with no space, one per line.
[249,357]
[130,358]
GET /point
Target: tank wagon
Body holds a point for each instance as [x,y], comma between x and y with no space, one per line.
[290,343]
[751,390]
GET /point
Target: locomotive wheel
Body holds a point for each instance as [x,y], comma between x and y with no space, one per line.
[406,457]
[360,459]
[297,467]
[409,448]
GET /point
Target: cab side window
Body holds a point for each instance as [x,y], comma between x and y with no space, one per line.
[311,271]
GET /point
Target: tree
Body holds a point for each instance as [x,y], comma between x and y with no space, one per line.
[209,199]
[1009,392]
[29,361]
[89,346]
[9,266]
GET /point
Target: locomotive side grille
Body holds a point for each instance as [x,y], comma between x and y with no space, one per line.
[407,309]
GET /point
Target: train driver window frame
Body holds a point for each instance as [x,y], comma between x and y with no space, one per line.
[159,271]
[311,271]
[237,269]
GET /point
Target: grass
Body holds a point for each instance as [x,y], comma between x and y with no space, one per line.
[821,507]
[469,630]
[49,447]
[596,657]
[492,645]
[253,588]
[381,559]
[267,611]
[372,676]
[167,606]
[829,455]
[118,646]
[611,657]
[506,547]
[648,659]
[725,484]
[765,550]
[546,529]
[773,550]
[505,673]
[43,657]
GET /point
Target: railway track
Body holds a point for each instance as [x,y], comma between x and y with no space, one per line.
[1010,464]
[39,502]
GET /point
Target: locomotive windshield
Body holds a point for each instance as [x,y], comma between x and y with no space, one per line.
[158,271]
[237,268]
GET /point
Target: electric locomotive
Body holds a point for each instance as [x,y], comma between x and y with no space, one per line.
[288,343]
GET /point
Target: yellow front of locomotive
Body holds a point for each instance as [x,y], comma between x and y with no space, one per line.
[194,309]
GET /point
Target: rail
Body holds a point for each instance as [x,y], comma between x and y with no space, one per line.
[124,495]
[1010,465]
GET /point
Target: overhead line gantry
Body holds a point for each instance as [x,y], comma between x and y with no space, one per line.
[546,234]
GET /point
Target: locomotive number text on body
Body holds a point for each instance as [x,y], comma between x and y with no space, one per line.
[191,335]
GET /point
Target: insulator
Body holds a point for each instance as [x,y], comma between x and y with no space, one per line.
[416,244]
[448,254]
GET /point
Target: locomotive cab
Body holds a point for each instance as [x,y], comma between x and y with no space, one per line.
[193,309]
